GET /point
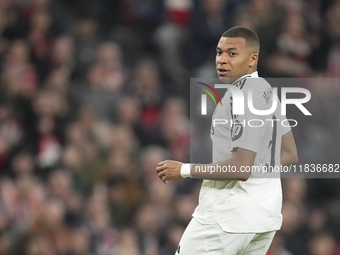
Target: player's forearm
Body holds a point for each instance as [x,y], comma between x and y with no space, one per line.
[224,170]
[288,158]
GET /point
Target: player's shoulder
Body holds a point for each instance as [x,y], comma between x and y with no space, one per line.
[256,84]
[261,91]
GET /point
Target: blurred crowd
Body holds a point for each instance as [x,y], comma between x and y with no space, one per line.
[94,93]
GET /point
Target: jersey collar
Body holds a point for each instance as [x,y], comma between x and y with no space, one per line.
[252,75]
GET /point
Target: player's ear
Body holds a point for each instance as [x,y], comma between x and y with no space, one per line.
[254,59]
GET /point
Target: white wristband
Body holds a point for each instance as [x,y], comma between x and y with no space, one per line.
[185,170]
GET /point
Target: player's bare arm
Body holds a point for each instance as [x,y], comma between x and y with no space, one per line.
[171,170]
[288,150]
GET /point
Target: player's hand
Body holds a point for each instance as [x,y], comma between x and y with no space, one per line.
[169,170]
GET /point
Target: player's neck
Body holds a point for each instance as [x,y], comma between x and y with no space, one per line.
[251,70]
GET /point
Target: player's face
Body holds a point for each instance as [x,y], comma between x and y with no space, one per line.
[234,58]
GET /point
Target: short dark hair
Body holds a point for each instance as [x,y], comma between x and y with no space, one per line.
[243,32]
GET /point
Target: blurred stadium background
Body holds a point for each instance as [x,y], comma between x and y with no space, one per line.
[93,93]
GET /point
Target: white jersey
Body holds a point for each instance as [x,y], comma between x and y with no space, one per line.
[251,206]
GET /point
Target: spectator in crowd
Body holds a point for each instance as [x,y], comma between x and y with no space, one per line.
[18,73]
[86,41]
[62,54]
[172,38]
[10,132]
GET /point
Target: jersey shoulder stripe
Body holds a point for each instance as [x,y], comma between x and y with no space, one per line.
[240,82]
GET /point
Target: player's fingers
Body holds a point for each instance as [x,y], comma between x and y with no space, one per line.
[161,163]
[160,168]
[161,174]
[164,179]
